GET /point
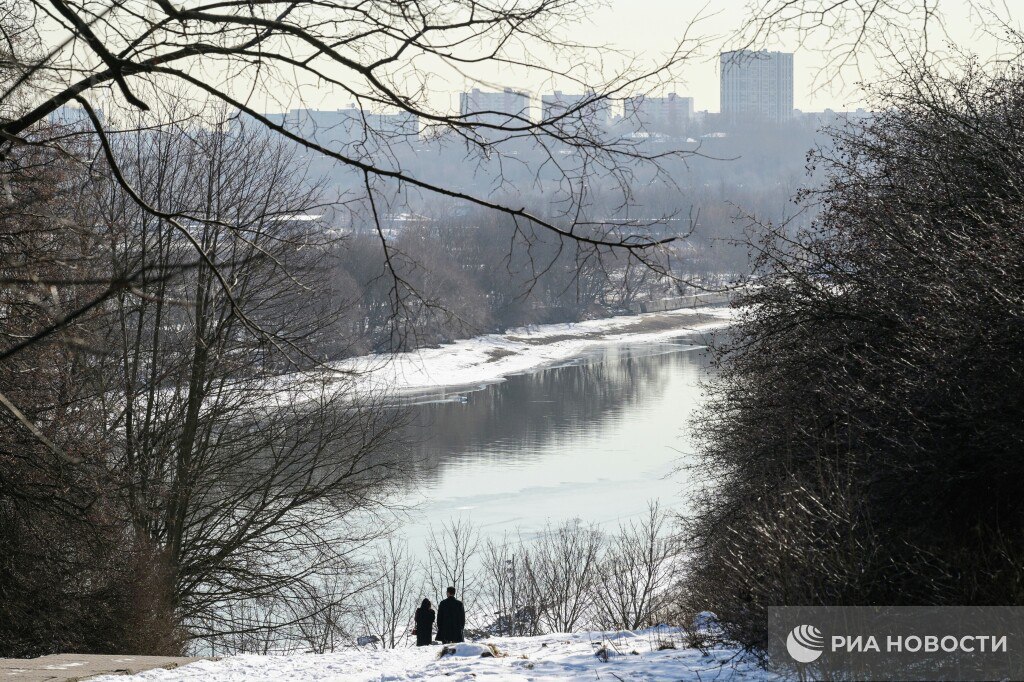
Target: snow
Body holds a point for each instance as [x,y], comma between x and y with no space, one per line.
[706,621]
[490,358]
[631,656]
[445,372]
[470,649]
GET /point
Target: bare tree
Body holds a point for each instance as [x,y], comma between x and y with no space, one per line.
[73,575]
[636,572]
[563,566]
[370,52]
[386,606]
[507,592]
[256,489]
[331,601]
[850,38]
[450,555]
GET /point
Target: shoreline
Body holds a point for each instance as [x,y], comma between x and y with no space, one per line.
[476,362]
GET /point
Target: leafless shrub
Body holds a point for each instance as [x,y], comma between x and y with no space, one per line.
[323,617]
[563,567]
[634,575]
[451,551]
[386,606]
[507,591]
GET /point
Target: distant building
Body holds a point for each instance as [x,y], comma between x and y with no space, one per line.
[496,108]
[585,109]
[667,115]
[757,86]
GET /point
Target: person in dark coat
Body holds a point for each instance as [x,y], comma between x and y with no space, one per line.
[451,619]
[424,624]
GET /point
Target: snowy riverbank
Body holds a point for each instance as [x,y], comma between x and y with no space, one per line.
[490,358]
[630,656]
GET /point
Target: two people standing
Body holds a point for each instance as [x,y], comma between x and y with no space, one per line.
[451,621]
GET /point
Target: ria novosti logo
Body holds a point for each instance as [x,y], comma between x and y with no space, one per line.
[912,643]
[805,643]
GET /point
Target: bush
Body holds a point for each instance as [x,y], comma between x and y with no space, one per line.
[72,585]
[863,443]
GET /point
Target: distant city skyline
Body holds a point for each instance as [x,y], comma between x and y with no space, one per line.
[758,86]
[645,32]
[640,33]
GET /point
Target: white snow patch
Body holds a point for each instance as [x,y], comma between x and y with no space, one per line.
[473,649]
[490,358]
[547,657]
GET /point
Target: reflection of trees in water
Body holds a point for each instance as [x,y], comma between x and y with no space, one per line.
[514,419]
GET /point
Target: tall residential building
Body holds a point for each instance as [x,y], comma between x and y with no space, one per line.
[668,115]
[757,86]
[584,109]
[496,108]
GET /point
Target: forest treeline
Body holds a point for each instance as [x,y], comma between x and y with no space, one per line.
[447,271]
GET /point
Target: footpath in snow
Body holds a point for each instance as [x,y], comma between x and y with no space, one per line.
[581,656]
[487,359]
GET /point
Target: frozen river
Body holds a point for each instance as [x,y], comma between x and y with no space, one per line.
[596,438]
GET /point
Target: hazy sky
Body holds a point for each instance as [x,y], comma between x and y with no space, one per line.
[649,29]
[646,31]
[652,27]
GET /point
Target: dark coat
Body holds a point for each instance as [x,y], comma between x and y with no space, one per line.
[424,626]
[451,620]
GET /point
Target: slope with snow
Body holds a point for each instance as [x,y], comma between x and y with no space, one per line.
[581,656]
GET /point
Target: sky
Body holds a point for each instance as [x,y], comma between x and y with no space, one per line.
[643,32]
[647,30]
[652,27]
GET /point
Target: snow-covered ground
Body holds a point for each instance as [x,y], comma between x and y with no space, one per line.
[486,359]
[630,656]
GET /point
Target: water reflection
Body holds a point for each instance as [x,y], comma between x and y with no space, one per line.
[594,439]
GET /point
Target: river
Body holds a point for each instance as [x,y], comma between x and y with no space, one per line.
[595,438]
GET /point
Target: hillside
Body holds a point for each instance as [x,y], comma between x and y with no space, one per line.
[631,656]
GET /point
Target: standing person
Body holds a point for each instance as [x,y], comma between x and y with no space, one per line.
[424,624]
[451,619]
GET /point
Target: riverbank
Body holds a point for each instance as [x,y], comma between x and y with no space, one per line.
[482,360]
